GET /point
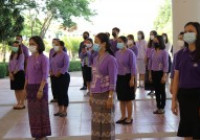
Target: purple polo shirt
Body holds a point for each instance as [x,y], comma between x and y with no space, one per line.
[59,63]
[16,64]
[51,53]
[159,61]
[189,71]
[114,46]
[104,74]
[126,62]
[134,48]
[25,51]
[37,69]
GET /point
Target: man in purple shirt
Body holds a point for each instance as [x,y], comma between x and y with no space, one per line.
[113,42]
[24,49]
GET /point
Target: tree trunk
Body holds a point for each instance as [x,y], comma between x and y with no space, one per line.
[45,26]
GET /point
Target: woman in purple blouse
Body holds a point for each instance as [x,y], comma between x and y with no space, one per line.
[59,65]
[158,68]
[150,48]
[126,61]
[17,75]
[104,75]
[186,88]
[132,45]
[37,89]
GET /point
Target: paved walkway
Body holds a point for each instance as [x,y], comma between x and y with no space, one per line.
[146,126]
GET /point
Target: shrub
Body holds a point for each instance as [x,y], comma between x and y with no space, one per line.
[75,66]
[3,70]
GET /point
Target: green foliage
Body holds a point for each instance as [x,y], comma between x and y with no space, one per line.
[163,22]
[75,66]
[3,70]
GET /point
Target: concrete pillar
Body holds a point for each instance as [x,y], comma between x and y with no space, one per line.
[184,11]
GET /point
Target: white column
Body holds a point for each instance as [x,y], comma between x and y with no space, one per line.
[184,11]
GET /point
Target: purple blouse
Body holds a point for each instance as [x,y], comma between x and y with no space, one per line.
[92,56]
[159,61]
[149,52]
[104,74]
[134,49]
[25,51]
[126,62]
[37,69]
[85,58]
[189,71]
[142,47]
[51,53]
[114,46]
[16,64]
[59,63]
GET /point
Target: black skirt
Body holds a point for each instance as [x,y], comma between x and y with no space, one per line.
[87,71]
[18,82]
[124,91]
[189,104]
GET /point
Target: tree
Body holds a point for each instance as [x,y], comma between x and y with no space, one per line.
[11,20]
[163,22]
[65,10]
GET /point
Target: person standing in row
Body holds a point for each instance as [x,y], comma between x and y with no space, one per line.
[158,68]
[132,45]
[126,82]
[85,56]
[59,65]
[17,74]
[37,90]
[180,45]
[113,42]
[142,47]
[186,88]
[104,72]
[168,49]
[86,35]
[150,48]
[51,53]
[19,38]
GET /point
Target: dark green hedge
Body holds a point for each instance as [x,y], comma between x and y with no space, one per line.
[74,66]
[3,70]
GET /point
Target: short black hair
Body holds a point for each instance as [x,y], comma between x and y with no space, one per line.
[38,40]
[181,33]
[89,39]
[19,36]
[116,29]
[150,43]
[86,32]
[142,33]
[61,43]
[124,39]
[56,39]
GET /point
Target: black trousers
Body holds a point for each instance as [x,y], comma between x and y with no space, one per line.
[84,76]
[159,89]
[61,88]
[53,89]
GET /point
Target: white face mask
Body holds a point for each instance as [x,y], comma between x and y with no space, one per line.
[56,48]
[152,37]
[89,45]
[20,41]
[33,49]
[139,37]
[130,42]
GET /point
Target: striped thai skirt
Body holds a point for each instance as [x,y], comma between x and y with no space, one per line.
[103,126]
[38,111]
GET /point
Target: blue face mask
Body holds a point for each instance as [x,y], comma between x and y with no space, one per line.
[96,47]
[15,49]
[120,45]
[189,37]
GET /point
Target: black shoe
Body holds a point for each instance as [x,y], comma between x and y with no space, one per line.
[128,122]
[83,88]
[53,101]
[57,114]
[62,115]
[121,121]
[159,111]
